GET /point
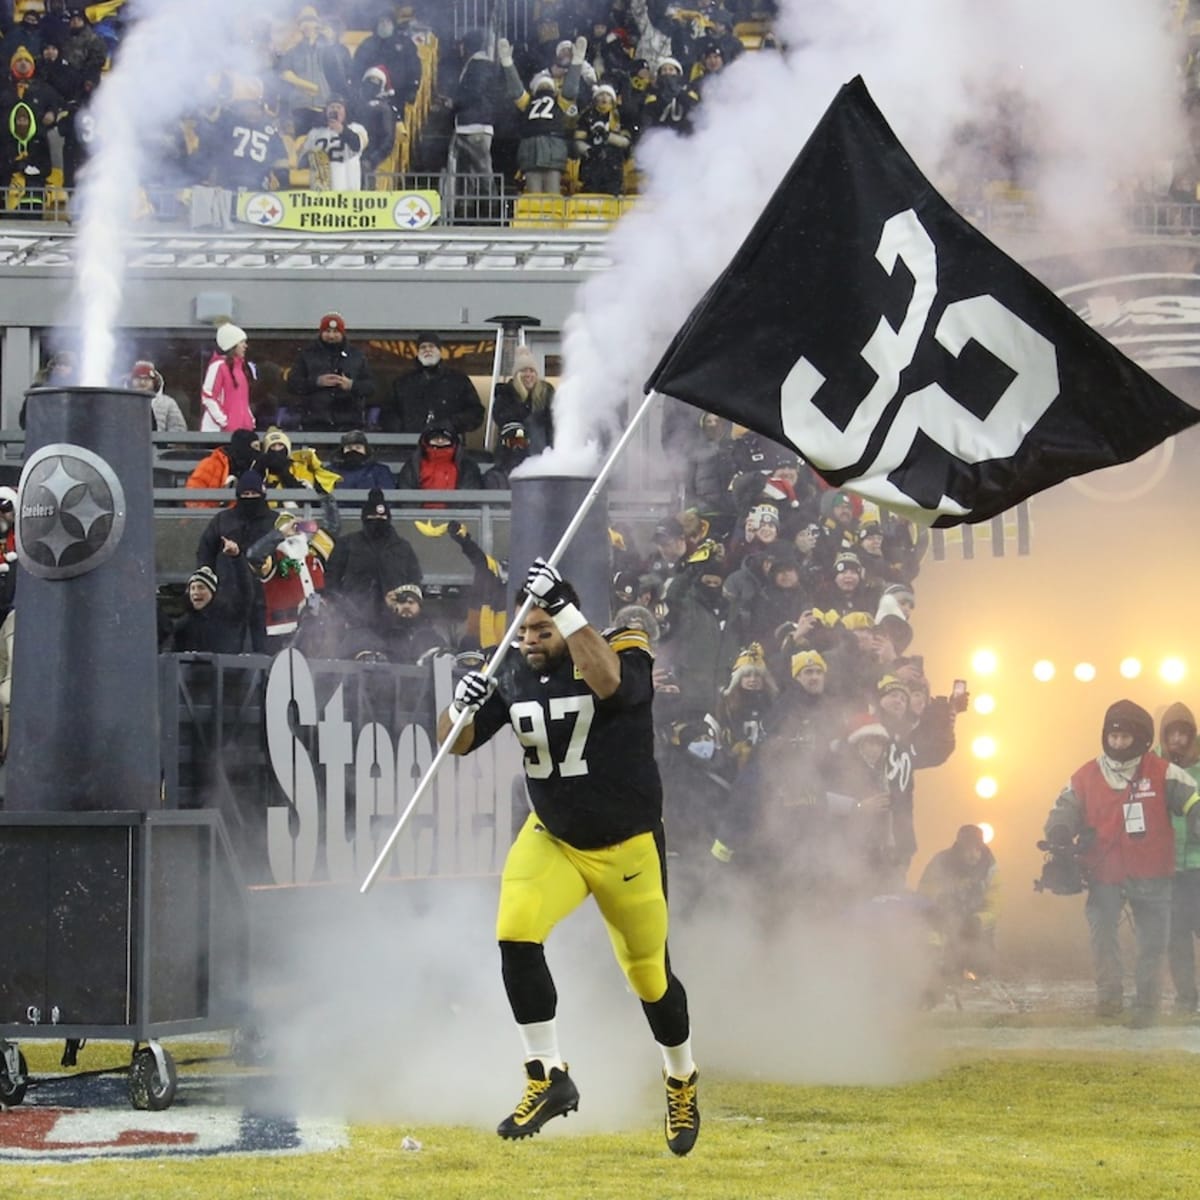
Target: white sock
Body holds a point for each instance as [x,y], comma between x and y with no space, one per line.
[540,1039]
[678,1060]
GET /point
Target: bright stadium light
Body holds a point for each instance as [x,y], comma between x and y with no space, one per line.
[1130,668]
[984,704]
[1043,670]
[986,787]
[1085,672]
[1172,670]
[983,746]
[988,832]
[984,662]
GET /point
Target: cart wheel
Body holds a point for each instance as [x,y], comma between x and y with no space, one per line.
[11,1092]
[248,1047]
[147,1088]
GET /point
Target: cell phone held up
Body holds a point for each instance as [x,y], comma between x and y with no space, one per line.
[959,697]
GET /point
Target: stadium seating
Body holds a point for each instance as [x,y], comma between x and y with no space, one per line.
[539,210]
[587,210]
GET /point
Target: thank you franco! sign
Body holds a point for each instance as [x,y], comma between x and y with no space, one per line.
[339,212]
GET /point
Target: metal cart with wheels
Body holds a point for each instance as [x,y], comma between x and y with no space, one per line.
[121,925]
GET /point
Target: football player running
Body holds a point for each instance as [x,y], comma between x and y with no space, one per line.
[579,702]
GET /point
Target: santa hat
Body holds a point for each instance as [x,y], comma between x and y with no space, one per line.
[144,369]
[865,725]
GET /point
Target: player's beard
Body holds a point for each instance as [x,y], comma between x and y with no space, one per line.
[544,660]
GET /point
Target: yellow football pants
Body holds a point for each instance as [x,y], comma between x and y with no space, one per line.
[544,880]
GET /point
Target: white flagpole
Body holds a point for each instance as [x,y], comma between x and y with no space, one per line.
[502,649]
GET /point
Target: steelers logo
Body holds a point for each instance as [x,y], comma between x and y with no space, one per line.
[70,512]
[264,208]
[412,211]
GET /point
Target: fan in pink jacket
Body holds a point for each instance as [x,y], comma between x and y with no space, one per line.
[225,394]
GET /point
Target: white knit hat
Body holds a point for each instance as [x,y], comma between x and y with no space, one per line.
[228,336]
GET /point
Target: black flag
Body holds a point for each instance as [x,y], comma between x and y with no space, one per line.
[869,326]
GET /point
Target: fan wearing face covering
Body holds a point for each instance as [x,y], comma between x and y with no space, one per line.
[1119,806]
[367,564]
[224,544]
[439,464]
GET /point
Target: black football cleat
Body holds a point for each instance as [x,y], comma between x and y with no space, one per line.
[683,1113]
[544,1098]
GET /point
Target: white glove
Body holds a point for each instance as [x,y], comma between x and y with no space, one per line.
[579,52]
[471,694]
[504,52]
[550,591]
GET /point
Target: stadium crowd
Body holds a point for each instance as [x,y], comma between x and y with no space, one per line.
[345,99]
[791,704]
[547,95]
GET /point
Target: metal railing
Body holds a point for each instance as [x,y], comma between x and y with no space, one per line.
[486,202]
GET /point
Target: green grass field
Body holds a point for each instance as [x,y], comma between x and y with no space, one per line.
[1014,1124]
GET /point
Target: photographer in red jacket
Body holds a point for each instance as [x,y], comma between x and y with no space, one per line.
[1119,805]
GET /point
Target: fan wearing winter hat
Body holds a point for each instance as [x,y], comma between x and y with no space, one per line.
[411,633]
[603,143]
[858,789]
[356,463]
[331,380]
[373,107]
[391,50]
[225,392]
[366,564]
[526,399]
[439,463]
[432,391]
[164,411]
[1120,805]
[209,626]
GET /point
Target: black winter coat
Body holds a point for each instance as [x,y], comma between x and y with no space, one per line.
[365,569]
[331,408]
[432,394]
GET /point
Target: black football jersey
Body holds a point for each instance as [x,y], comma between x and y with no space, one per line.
[589,762]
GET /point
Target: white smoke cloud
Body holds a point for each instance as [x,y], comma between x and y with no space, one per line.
[1094,86]
[163,68]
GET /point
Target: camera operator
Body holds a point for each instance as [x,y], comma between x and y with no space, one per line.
[1119,804]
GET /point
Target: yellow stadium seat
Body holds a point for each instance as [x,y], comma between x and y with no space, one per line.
[627,203]
[592,208]
[539,210]
[353,38]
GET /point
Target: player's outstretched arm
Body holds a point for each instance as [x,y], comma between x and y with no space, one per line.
[594,658]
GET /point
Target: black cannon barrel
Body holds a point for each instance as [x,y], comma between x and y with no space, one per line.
[85,692]
[542,508]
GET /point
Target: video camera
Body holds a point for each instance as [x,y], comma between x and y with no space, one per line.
[1062,872]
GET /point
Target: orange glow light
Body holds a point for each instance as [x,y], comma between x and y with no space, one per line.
[984,662]
[986,787]
[1172,670]
[983,746]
